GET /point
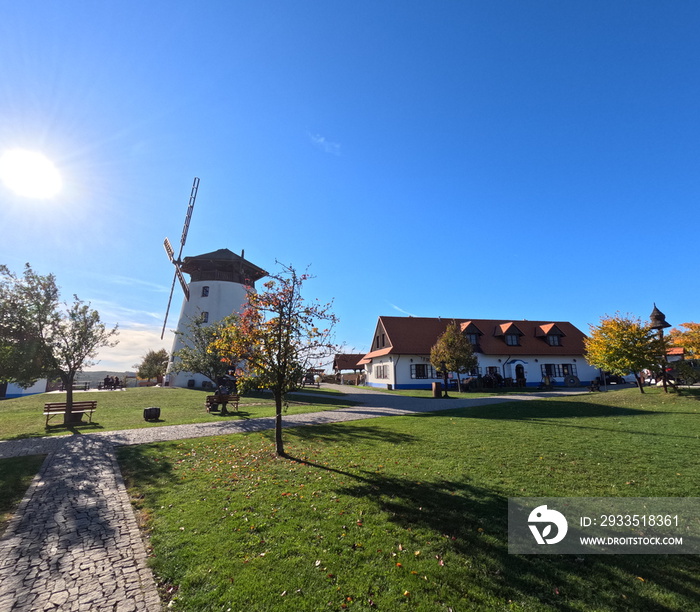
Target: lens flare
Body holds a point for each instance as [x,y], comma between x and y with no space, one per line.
[29,174]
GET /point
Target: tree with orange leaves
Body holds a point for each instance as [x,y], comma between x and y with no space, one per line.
[688,338]
[279,337]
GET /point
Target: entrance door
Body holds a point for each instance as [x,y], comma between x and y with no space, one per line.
[520,375]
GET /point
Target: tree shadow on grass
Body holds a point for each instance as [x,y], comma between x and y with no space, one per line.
[243,414]
[59,429]
[472,525]
[549,414]
[340,433]
[547,409]
[145,465]
[26,436]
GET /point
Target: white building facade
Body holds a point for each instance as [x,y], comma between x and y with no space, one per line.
[522,353]
[10,390]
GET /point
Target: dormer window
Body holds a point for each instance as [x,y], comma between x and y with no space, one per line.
[471,332]
[550,333]
[512,339]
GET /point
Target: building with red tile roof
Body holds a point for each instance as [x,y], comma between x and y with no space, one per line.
[522,351]
[348,361]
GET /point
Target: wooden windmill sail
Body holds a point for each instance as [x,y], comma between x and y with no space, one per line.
[218,286]
[178,262]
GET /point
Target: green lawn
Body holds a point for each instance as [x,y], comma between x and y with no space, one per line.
[410,512]
[22,417]
[16,474]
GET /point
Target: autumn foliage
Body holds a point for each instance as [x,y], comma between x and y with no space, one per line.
[623,345]
[452,353]
[687,337]
[279,337]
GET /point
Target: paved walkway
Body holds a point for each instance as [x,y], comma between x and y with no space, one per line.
[74,543]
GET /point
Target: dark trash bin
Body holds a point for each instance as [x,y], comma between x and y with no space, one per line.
[437,389]
[151,414]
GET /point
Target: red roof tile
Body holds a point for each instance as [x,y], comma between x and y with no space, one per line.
[416,335]
[347,361]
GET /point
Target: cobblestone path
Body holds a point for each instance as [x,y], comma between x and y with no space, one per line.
[74,543]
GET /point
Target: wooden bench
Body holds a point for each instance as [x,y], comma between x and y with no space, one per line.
[53,408]
[213,402]
[77,386]
[101,386]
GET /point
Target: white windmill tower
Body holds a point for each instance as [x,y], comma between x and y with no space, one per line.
[218,287]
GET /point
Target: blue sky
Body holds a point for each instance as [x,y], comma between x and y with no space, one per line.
[515,160]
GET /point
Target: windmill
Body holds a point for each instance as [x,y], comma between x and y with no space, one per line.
[218,286]
[178,262]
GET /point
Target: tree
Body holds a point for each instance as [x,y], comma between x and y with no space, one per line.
[72,340]
[153,365]
[27,306]
[199,355]
[46,338]
[688,338]
[453,353]
[279,339]
[623,345]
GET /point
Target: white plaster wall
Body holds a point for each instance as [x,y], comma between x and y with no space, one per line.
[224,299]
[14,390]
[401,364]
[371,378]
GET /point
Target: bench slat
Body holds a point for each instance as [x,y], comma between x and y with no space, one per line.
[84,407]
[215,400]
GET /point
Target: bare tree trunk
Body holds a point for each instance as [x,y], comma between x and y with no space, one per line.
[640,382]
[279,445]
[68,416]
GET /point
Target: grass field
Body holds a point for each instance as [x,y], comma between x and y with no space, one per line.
[22,417]
[410,512]
[15,476]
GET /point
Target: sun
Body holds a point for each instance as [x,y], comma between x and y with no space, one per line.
[29,174]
